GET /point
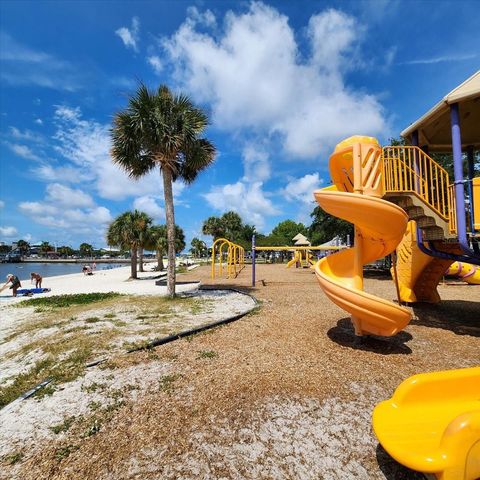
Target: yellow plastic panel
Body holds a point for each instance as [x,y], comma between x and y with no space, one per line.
[476,202]
[432,423]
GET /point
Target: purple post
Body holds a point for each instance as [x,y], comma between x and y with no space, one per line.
[415,138]
[253,260]
[471,174]
[458,171]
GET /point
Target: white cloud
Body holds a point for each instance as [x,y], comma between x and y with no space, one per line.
[206,18]
[39,121]
[86,143]
[255,163]
[8,231]
[2,203]
[301,189]
[441,59]
[62,174]
[247,199]
[23,151]
[130,36]
[22,65]
[74,219]
[65,196]
[155,62]
[149,205]
[255,78]
[26,135]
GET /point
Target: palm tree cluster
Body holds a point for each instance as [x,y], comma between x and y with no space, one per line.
[133,231]
[161,130]
[229,226]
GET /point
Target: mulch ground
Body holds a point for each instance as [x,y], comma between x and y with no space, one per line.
[288,393]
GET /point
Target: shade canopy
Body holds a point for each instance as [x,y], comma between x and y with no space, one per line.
[434,128]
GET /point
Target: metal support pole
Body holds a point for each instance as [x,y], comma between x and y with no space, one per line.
[253,260]
[459,188]
[471,174]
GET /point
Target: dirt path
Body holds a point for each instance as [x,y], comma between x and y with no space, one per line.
[284,393]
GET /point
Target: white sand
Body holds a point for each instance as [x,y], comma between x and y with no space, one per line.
[26,423]
[114,280]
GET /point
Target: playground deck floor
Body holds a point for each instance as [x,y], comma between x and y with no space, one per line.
[283,393]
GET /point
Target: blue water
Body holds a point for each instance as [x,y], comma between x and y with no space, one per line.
[23,270]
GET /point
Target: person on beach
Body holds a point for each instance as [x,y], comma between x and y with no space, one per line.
[38,279]
[14,280]
[87,270]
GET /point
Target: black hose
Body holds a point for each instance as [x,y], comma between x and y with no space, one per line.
[202,328]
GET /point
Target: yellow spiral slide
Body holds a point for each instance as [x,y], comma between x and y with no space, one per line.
[355,167]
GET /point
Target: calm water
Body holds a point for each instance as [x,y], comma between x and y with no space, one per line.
[23,270]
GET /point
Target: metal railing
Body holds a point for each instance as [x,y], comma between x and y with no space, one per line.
[409,169]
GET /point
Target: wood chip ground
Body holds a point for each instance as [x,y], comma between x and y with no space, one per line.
[286,393]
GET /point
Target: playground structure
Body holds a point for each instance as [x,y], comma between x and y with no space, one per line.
[432,424]
[234,255]
[399,198]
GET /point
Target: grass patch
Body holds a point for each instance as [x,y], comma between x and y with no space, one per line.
[12,458]
[93,428]
[109,315]
[207,354]
[64,452]
[166,383]
[93,387]
[92,320]
[64,426]
[62,301]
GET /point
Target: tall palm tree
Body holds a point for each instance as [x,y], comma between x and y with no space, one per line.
[126,232]
[160,129]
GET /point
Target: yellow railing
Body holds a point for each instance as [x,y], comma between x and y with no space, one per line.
[235,257]
[452,221]
[409,169]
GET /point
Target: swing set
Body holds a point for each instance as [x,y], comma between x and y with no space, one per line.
[234,255]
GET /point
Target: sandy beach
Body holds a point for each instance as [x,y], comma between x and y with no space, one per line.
[113,280]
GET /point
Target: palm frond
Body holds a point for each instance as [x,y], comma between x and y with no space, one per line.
[198,156]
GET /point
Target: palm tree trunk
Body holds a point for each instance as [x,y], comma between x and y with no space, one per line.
[170,217]
[140,259]
[133,262]
[160,265]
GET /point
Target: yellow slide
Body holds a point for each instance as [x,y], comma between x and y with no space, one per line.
[432,424]
[466,272]
[355,167]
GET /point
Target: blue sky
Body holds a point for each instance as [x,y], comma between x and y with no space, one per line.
[283,82]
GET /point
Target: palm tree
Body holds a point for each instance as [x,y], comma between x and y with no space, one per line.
[157,240]
[198,247]
[23,246]
[85,250]
[45,247]
[214,226]
[159,129]
[126,232]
